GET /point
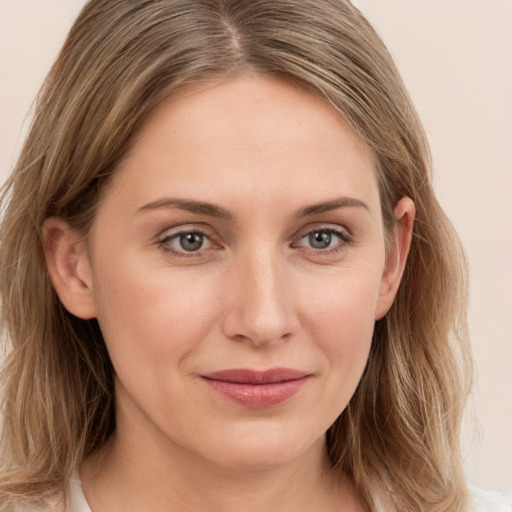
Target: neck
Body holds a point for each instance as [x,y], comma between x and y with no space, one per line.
[141,469]
[112,481]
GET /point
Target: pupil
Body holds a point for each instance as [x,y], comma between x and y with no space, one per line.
[191,241]
[320,239]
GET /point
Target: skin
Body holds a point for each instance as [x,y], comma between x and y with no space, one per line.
[257,294]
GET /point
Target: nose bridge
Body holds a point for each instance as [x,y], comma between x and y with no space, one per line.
[262,307]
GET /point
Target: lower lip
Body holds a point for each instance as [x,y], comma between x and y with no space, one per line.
[257,395]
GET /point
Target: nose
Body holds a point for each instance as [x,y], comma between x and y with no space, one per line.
[260,300]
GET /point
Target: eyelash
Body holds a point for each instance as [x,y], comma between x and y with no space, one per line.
[164,243]
[345,241]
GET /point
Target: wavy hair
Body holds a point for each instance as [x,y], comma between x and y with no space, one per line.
[398,439]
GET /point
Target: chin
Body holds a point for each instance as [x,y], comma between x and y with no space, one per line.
[257,460]
[266,449]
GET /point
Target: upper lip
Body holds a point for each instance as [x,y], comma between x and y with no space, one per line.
[249,376]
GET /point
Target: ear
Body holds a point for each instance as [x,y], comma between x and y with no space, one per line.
[69,267]
[405,213]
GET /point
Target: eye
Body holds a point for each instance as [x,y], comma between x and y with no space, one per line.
[320,239]
[325,239]
[186,243]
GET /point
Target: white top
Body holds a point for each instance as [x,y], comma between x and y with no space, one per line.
[485,501]
[77,501]
[481,501]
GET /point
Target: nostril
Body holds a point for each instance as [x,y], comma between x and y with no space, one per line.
[260,306]
[239,325]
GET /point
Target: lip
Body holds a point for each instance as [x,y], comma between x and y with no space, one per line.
[255,388]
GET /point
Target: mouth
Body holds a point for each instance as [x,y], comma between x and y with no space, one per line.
[257,389]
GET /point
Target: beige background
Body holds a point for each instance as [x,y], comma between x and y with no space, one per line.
[455,56]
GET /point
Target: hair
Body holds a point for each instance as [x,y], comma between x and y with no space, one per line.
[398,438]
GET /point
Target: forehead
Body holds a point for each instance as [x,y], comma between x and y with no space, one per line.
[249,133]
[253,111]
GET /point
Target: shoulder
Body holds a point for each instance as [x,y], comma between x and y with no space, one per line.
[489,501]
[76,501]
[53,505]
[35,508]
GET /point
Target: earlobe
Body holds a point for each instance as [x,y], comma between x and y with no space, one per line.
[405,213]
[69,267]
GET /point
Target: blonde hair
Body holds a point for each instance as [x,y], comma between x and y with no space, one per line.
[398,439]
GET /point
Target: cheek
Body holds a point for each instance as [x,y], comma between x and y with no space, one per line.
[152,315]
[342,305]
[346,332]
[340,320]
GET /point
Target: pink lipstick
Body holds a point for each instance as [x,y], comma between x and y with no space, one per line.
[257,389]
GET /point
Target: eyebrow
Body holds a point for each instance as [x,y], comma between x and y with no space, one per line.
[213,210]
[189,205]
[333,204]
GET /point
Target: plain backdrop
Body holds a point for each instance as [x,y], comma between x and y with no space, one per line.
[455,57]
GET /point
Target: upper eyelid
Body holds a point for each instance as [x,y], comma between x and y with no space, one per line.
[335,228]
[176,234]
[170,232]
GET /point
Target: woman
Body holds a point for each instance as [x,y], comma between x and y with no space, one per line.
[210,277]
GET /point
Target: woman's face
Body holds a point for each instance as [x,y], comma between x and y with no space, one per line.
[236,267]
